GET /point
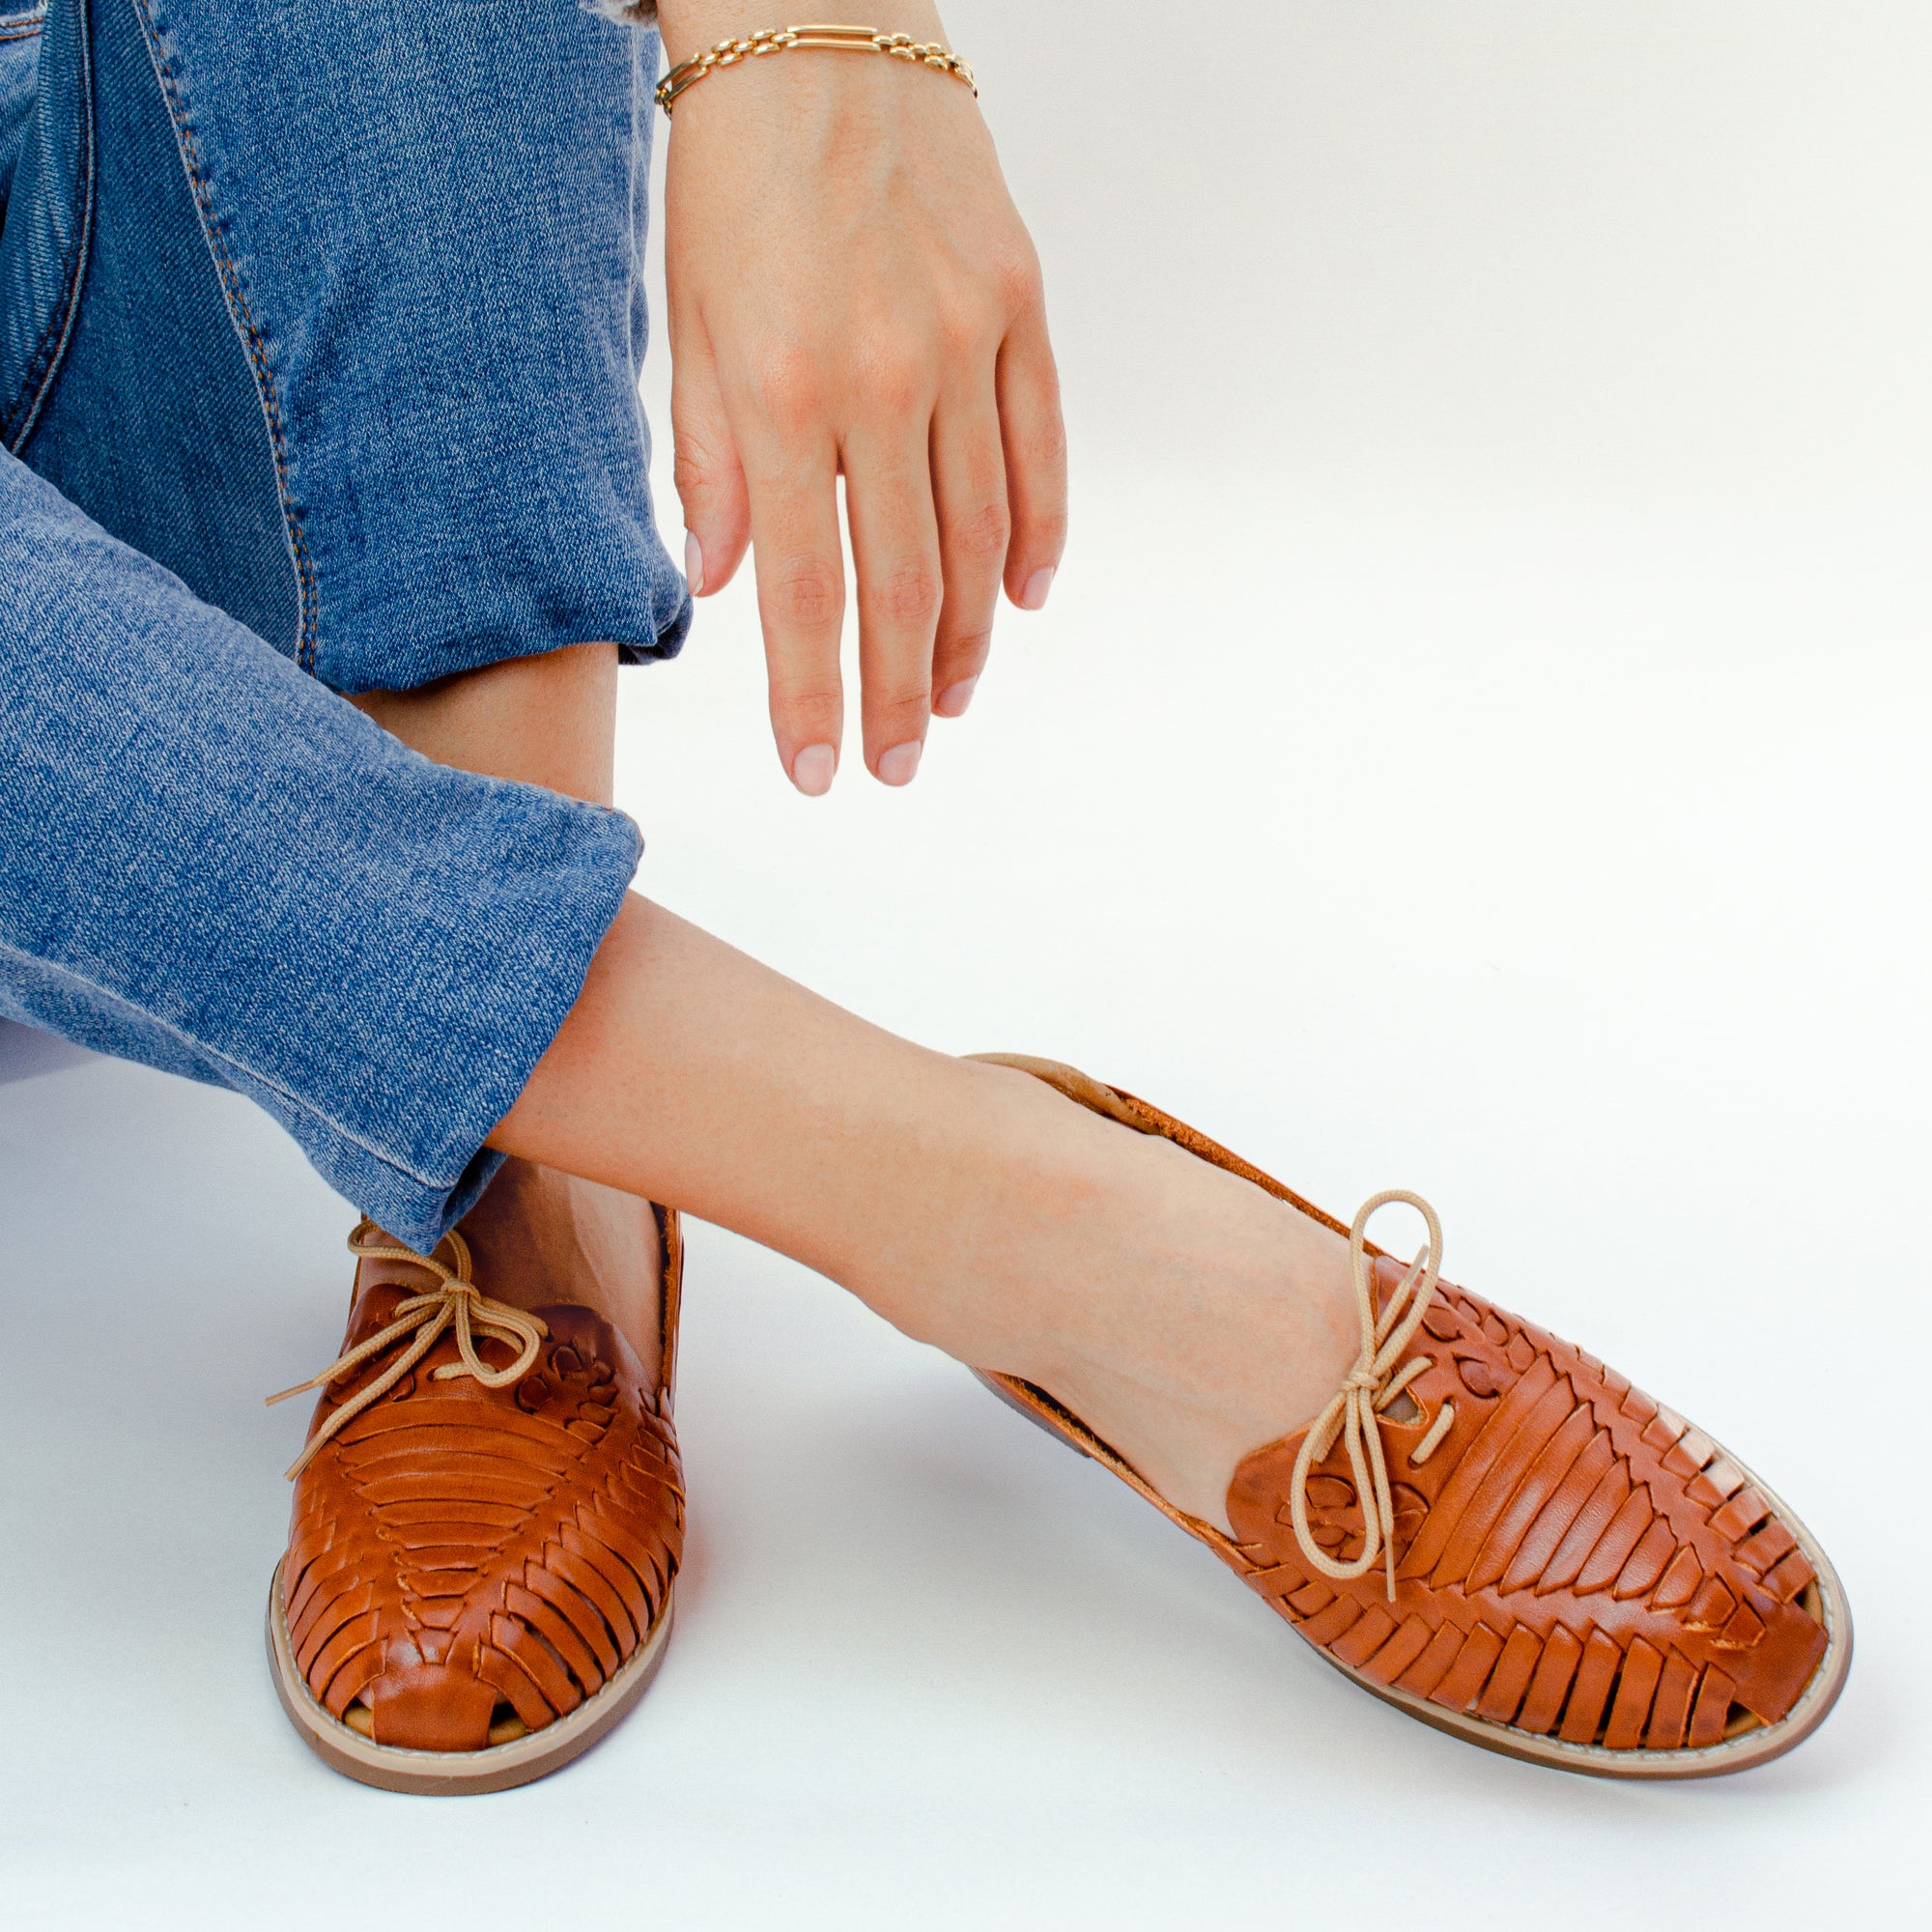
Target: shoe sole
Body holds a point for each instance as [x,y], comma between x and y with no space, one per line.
[456,1773]
[1756,1746]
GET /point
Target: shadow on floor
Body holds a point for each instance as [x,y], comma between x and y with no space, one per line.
[25,1051]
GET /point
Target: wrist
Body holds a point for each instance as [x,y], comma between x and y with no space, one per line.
[690,26]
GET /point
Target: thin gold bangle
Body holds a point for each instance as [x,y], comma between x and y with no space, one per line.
[840,40]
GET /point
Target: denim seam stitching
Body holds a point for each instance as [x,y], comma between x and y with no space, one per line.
[254,344]
[23,22]
[295,1102]
[49,353]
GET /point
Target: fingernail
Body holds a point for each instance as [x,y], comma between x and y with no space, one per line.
[951,703]
[896,766]
[811,770]
[1034,596]
[693,565]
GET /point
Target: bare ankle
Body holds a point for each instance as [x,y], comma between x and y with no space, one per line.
[1185,1315]
[540,1237]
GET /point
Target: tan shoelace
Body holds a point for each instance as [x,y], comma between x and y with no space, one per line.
[454,1301]
[1372,1384]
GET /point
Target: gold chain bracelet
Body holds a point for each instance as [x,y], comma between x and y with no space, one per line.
[780,40]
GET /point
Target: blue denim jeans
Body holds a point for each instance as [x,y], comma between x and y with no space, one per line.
[319,322]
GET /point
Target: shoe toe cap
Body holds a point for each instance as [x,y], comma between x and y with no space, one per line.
[416,1705]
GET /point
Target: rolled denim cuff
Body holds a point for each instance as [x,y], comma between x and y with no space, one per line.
[395,258]
[217,866]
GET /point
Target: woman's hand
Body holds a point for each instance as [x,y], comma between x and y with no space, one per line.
[851,291]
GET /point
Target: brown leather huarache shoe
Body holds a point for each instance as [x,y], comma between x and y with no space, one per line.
[487,1519]
[1496,1533]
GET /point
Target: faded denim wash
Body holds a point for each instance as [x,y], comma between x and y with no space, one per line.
[319,335]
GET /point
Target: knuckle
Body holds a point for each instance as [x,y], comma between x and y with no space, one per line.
[908,595]
[969,326]
[892,374]
[1042,450]
[784,383]
[693,469]
[890,713]
[964,649]
[1016,274]
[980,535]
[1046,535]
[806,594]
[814,709]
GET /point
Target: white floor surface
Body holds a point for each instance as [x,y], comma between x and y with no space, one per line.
[1573,874]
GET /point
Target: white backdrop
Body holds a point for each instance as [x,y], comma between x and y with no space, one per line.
[1477,743]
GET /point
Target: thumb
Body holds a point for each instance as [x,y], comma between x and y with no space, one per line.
[709,475]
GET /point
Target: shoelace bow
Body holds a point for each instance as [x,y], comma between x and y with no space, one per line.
[1371,1385]
[454,1301]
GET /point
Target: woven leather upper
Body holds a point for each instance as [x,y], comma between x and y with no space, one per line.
[458,1553]
[1572,1559]
[1581,1575]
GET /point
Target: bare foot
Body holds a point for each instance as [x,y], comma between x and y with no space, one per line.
[1234,1324]
[540,1236]
[1185,1315]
